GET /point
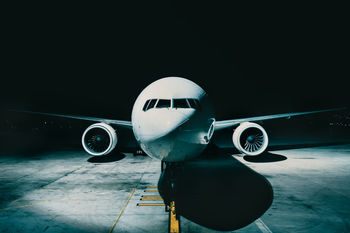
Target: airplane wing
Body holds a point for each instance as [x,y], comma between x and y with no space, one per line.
[126,124]
[229,123]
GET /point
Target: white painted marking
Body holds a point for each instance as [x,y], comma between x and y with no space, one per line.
[262,226]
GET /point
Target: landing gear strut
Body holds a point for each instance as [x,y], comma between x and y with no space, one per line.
[168,189]
[174,219]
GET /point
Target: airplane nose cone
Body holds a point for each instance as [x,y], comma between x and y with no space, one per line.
[162,123]
[174,122]
[170,139]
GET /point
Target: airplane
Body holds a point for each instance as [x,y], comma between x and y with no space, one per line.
[173,121]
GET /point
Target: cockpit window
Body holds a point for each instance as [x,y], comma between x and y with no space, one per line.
[193,103]
[146,105]
[162,103]
[151,104]
[180,103]
[166,103]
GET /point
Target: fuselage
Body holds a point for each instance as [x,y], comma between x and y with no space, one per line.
[173,119]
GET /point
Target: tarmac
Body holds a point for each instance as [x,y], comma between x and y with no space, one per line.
[296,190]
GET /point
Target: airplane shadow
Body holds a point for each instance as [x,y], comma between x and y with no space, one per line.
[266,157]
[112,157]
[216,191]
[305,145]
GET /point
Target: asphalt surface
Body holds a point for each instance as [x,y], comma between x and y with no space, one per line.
[66,191]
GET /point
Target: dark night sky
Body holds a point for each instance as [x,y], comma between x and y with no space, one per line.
[252,60]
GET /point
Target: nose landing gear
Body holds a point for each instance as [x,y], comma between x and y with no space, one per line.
[174,219]
[168,188]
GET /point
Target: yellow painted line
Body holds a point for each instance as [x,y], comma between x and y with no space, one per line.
[150,195]
[151,199]
[151,187]
[174,224]
[151,191]
[122,210]
[150,204]
[40,203]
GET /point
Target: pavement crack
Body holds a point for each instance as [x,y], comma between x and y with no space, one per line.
[65,175]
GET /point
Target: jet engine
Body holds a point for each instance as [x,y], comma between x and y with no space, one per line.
[250,138]
[99,139]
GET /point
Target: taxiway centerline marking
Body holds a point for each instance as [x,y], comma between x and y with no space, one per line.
[151,191]
[122,210]
[262,226]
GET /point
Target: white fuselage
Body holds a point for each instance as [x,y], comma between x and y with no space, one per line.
[173,119]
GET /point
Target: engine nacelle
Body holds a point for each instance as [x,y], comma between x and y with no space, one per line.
[250,138]
[99,139]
